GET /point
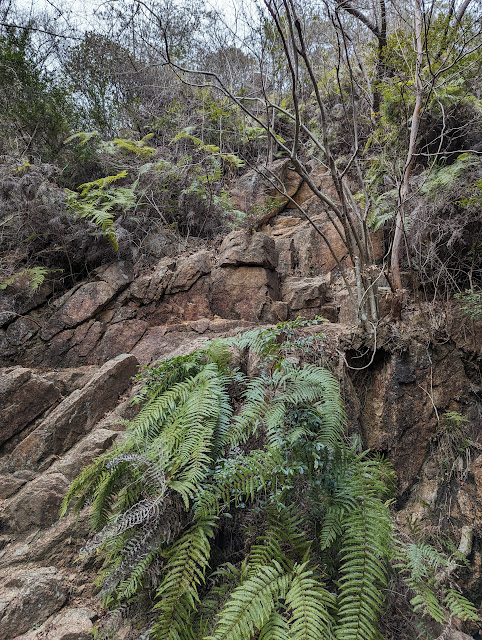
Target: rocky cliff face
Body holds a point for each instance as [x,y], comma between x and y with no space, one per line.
[66,382]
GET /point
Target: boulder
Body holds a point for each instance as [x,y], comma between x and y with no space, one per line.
[95,443]
[19,298]
[253,193]
[28,598]
[322,179]
[152,286]
[37,504]
[246,293]
[21,331]
[158,343]
[180,307]
[69,624]
[287,257]
[117,275]
[71,348]
[305,293]
[243,248]
[188,271]
[7,311]
[119,338]
[82,305]
[312,254]
[9,485]
[75,416]
[68,380]
[23,397]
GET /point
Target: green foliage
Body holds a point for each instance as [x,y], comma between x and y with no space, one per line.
[98,202]
[472,303]
[35,277]
[210,149]
[212,451]
[421,567]
[444,177]
[139,147]
[36,110]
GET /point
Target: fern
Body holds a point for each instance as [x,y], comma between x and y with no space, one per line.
[460,607]
[236,505]
[178,592]
[252,603]
[275,628]
[309,603]
[35,276]
[98,200]
[443,177]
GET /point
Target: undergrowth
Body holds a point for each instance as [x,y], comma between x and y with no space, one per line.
[235,508]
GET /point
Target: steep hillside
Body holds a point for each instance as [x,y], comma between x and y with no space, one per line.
[66,381]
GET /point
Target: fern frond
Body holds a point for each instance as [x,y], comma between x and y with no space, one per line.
[237,480]
[275,628]
[177,594]
[131,585]
[365,548]
[252,603]
[309,602]
[460,607]
[425,601]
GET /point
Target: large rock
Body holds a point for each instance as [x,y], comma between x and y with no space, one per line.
[19,298]
[28,598]
[9,485]
[95,443]
[254,194]
[69,624]
[7,311]
[321,178]
[247,293]
[82,305]
[188,271]
[120,337]
[152,286]
[312,255]
[241,248]
[117,275]
[305,293]
[23,397]
[159,343]
[405,393]
[20,331]
[183,306]
[37,504]
[75,416]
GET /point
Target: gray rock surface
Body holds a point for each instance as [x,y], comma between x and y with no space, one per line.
[28,598]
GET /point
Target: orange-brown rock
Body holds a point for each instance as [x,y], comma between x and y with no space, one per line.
[246,293]
[322,180]
[188,271]
[243,248]
[311,253]
[120,337]
[253,194]
[82,305]
[305,293]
